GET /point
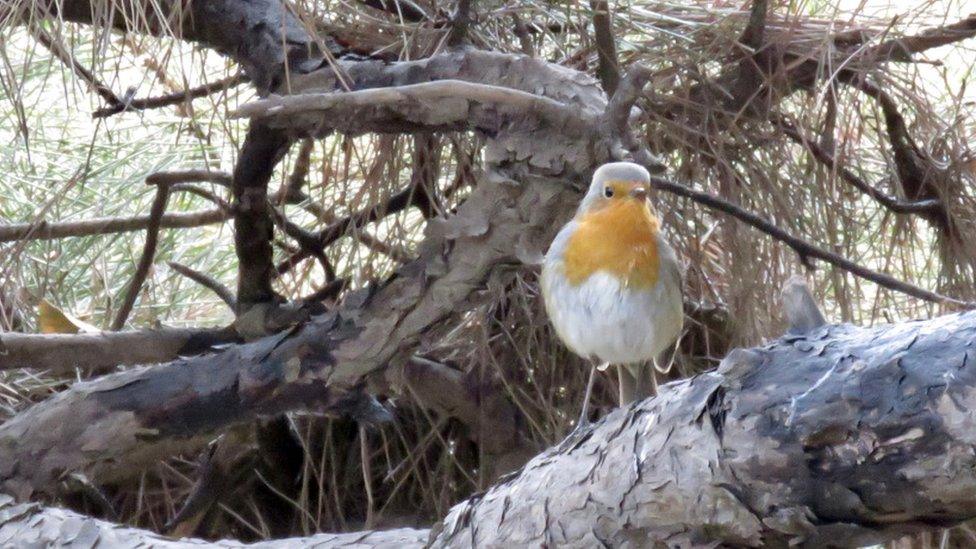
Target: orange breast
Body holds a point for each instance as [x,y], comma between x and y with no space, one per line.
[620,238]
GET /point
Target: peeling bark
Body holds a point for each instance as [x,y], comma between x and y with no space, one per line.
[843,436]
[32,524]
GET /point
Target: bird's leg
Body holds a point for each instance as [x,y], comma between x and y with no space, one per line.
[584,418]
[646,381]
[627,383]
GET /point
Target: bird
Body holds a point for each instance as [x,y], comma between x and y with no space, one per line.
[611,283]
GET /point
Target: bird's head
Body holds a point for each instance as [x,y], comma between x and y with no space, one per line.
[616,183]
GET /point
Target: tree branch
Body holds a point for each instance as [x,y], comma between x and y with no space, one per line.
[263,36]
[44,230]
[207,281]
[253,228]
[105,351]
[171,98]
[827,159]
[156,212]
[803,248]
[606,46]
[841,436]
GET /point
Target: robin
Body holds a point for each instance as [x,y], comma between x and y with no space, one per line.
[612,284]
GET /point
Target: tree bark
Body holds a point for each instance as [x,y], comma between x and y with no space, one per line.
[262,35]
[841,436]
[53,527]
[104,352]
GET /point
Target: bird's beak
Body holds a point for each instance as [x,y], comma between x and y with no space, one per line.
[639,192]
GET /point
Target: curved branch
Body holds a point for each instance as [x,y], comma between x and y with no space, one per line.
[930,206]
[171,98]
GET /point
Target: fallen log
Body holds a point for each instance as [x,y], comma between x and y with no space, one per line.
[840,436]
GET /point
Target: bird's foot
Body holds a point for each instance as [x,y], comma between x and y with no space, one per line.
[577,436]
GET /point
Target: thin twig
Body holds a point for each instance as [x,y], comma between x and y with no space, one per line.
[803,248]
[58,50]
[223,179]
[828,160]
[207,281]
[148,255]
[396,203]
[172,98]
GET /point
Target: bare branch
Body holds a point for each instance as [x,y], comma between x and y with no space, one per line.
[44,230]
[146,260]
[253,228]
[207,281]
[171,98]
[903,49]
[803,248]
[58,50]
[606,46]
[827,159]
[105,351]
[190,176]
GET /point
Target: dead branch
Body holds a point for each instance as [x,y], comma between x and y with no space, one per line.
[260,35]
[174,177]
[253,227]
[171,98]
[207,281]
[156,212]
[803,248]
[828,160]
[57,49]
[608,70]
[105,351]
[44,230]
[903,49]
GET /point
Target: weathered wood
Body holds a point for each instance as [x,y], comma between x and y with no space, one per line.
[30,524]
[842,436]
[103,352]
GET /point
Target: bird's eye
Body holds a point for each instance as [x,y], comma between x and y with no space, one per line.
[608,192]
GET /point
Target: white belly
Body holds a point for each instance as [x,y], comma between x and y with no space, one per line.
[601,319]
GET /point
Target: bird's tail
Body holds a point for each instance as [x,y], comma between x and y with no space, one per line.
[637,382]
